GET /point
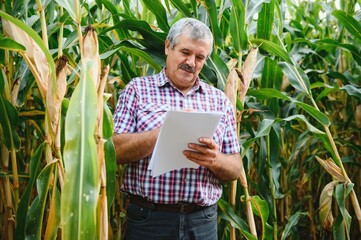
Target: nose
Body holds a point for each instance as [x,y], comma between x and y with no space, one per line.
[191,60]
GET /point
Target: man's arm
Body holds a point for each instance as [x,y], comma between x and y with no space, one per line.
[226,167]
[132,147]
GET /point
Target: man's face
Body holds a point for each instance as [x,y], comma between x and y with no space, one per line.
[185,61]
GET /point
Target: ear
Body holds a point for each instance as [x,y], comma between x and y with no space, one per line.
[167,46]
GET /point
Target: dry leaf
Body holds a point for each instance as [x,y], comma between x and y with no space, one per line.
[35,57]
[326,217]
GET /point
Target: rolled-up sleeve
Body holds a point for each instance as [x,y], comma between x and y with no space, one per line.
[124,116]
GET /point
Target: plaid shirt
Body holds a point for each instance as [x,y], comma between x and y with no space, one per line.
[141,107]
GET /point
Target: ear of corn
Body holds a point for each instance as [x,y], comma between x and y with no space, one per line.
[90,51]
[332,169]
[247,72]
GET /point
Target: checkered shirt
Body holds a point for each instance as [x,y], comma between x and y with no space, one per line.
[141,107]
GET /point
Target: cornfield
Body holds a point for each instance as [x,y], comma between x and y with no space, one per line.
[292,70]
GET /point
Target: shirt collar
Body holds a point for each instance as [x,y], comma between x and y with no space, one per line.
[163,80]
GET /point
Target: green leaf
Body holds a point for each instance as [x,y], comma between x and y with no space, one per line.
[213,20]
[9,122]
[263,130]
[151,39]
[181,6]
[81,187]
[268,93]
[34,218]
[297,78]
[25,198]
[292,223]
[254,8]
[349,22]
[237,26]
[304,119]
[218,65]
[352,90]
[156,7]
[341,192]
[265,20]
[111,170]
[9,44]
[144,56]
[108,124]
[272,48]
[72,7]
[228,214]
[316,114]
[260,208]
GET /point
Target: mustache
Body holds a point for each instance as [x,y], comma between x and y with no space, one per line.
[187,68]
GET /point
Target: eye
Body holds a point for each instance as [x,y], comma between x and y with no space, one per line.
[201,58]
[185,52]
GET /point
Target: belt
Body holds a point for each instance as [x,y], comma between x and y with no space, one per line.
[180,207]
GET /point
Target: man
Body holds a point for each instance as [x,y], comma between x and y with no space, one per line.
[181,204]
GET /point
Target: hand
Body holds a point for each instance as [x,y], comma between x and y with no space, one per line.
[205,153]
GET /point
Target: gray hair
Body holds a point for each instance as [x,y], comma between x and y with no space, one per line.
[195,29]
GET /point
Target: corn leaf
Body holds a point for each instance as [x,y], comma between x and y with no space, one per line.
[228,214]
[292,223]
[268,93]
[25,199]
[36,38]
[237,26]
[297,78]
[54,214]
[316,114]
[253,9]
[156,7]
[265,20]
[34,218]
[8,121]
[272,48]
[260,208]
[72,7]
[349,22]
[220,68]
[143,55]
[310,127]
[111,168]
[213,20]
[81,187]
[181,6]
[9,44]
[341,192]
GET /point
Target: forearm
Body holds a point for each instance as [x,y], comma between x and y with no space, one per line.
[227,167]
[132,147]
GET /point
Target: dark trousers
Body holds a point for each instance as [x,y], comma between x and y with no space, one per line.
[148,224]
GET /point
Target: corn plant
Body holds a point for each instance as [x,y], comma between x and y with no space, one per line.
[290,68]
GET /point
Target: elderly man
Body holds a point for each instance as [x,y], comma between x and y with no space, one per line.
[180,204]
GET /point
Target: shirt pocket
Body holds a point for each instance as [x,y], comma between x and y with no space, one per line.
[151,116]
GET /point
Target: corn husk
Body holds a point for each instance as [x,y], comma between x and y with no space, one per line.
[246,73]
[55,98]
[358,116]
[332,169]
[90,51]
[231,87]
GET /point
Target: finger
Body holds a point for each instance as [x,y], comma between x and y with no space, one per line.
[209,142]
